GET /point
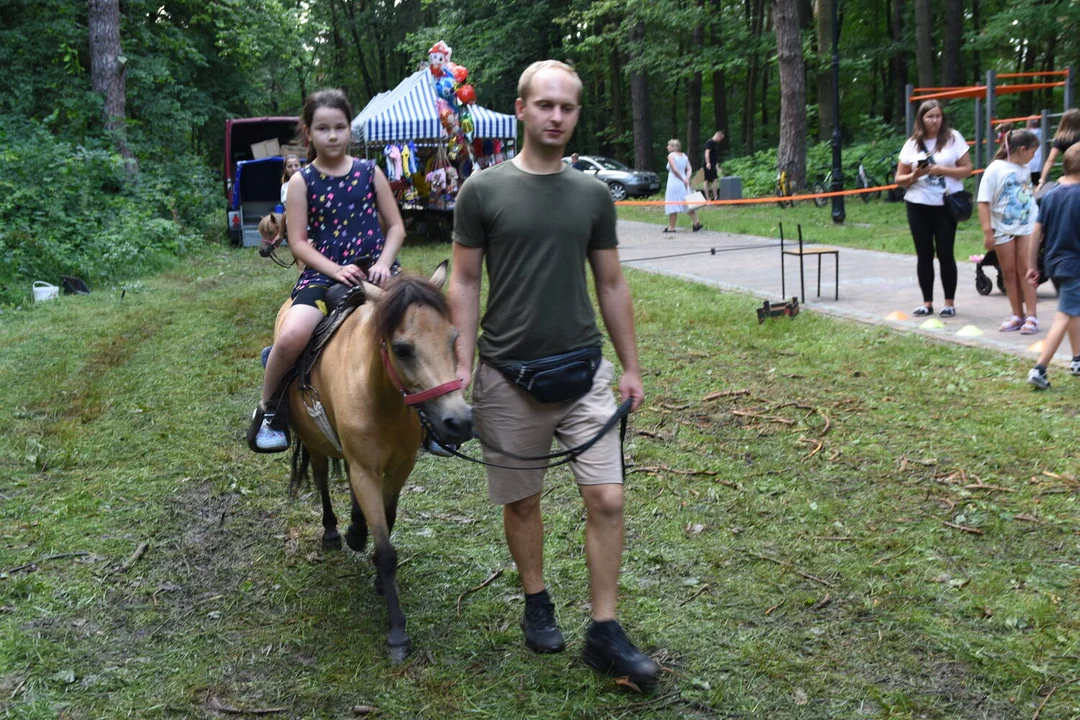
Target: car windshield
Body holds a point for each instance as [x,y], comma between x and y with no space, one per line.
[609,164]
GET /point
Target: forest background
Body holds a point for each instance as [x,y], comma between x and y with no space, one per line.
[112,113]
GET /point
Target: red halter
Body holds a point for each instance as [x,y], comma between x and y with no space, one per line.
[419,397]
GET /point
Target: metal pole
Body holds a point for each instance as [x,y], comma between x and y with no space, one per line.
[909,111]
[1069,87]
[978,136]
[991,106]
[838,213]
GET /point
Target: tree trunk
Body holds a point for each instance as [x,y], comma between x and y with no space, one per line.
[954,38]
[693,93]
[359,48]
[791,155]
[766,73]
[977,71]
[619,146]
[924,44]
[899,59]
[107,64]
[719,84]
[823,11]
[639,102]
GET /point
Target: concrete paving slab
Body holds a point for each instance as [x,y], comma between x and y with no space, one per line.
[871,284]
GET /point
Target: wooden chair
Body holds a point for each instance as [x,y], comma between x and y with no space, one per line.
[801,253]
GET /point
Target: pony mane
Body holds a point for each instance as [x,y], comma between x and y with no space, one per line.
[401,292]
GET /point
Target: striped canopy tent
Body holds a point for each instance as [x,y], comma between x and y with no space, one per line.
[409,112]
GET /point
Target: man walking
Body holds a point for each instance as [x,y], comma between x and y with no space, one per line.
[712,166]
[537,223]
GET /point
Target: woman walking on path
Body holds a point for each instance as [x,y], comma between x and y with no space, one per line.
[933,163]
[678,185]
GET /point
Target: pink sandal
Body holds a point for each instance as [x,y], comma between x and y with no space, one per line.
[1030,326]
[1012,324]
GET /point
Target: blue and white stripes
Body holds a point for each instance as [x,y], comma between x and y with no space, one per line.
[409,112]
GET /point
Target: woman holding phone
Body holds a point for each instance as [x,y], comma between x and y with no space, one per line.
[933,163]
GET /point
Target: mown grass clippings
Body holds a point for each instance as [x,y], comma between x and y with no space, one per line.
[124,424]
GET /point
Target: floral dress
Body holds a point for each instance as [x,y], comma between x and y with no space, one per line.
[343,221]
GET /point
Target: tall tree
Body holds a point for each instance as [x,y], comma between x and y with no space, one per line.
[107,65]
[954,38]
[639,102]
[824,25]
[924,45]
[719,81]
[693,91]
[898,60]
[791,155]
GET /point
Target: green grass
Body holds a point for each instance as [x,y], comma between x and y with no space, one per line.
[772,578]
[876,225]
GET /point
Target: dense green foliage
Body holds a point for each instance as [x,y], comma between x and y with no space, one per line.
[190,64]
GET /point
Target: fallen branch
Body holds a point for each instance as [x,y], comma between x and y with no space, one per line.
[218,706]
[816,449]
[702,589]
[1046,699]
[135,557]
[759,416]
[792,568]
[674,471]
[81,553]
[980,486]
[481,586]
[1027,518]
[677,407]
[963,528]
[823,603]
[649,433]
[724,393]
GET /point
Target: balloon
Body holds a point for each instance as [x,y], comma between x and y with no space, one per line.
[466,94]
[447,72]
[460,72]
[467,127]
[444,88]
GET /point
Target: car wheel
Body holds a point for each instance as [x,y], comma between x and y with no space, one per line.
[618,191]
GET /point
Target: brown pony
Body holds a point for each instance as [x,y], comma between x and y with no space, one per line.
[394,350]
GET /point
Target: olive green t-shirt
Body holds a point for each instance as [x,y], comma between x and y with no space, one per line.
[536,232]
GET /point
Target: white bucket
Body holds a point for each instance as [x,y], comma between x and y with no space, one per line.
[45,291]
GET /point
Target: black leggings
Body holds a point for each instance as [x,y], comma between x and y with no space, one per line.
[932,227]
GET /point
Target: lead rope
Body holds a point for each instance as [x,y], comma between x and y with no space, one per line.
[562,457]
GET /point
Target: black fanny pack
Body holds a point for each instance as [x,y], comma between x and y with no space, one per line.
[557,378]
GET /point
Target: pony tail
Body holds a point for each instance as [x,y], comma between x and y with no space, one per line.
[1008,152]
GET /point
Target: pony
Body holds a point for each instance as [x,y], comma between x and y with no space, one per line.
[393,352]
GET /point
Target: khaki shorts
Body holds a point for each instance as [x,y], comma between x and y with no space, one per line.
[510,418]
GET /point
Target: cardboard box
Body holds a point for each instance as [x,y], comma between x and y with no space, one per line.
[267,148]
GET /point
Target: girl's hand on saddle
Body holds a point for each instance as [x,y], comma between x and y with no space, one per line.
[378,274]
[351,275]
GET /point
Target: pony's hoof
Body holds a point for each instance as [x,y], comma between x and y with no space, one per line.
[331,541]
[397,649]
[355,540]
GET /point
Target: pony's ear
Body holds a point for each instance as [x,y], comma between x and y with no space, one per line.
[371,291]
[439,276]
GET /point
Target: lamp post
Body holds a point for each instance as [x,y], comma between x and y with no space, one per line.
[838,213]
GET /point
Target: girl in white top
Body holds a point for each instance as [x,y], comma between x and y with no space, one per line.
[292,164]
[933,162]
[1007,212]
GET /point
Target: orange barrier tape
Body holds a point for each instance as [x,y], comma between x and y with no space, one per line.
[1033,74]
[766,199]
[1020,119]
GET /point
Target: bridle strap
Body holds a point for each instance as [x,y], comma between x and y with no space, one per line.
[423,395]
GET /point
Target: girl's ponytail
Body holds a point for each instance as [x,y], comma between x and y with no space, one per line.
[1015,140]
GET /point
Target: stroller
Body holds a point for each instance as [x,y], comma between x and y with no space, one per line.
[983,284]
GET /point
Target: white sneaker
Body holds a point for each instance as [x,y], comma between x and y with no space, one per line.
[1074,367]
[270,440]
[1038,379]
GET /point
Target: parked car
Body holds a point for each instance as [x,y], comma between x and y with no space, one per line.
[622,181]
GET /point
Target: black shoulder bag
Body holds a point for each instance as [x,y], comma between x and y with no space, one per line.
[959,204]
[558,378]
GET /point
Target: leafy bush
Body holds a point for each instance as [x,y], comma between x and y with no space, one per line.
[71,209]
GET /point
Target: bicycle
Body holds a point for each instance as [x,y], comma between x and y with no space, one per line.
[783,189]
[862,180]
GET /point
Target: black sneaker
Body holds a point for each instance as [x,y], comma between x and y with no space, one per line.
[948,311]
[608,650]
[542,633]
[922,310]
